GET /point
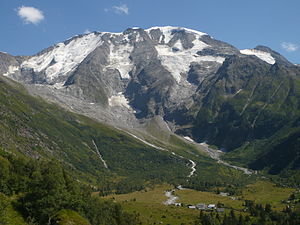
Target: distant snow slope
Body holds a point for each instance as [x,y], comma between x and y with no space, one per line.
[11,70]
[168,32]
[64,57]
[119,100]
[176,59]
[119,59]
[265,56]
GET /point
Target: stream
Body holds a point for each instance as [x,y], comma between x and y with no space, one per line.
[215,154]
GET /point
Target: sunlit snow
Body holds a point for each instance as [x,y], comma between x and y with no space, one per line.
[11,70]
[59,85]
[118,100]
[167,32]
[119,59]
[63,58]
[265,56]
[184,57]
[188,138]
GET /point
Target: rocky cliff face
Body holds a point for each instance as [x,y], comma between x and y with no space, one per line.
[200,86]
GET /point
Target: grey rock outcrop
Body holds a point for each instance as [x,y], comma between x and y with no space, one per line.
[126,78]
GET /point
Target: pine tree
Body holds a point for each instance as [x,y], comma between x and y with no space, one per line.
[4,203]
[48,193]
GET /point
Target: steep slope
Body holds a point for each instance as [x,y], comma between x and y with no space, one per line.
[200,87]
[134,74]
[92,151]
[240,93]
[247,103]
[278,154]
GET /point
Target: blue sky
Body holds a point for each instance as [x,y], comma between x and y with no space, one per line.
[28,26]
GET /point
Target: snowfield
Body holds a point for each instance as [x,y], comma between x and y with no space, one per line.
[265,56]
[64,58]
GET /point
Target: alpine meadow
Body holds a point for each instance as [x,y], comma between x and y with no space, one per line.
[165,125]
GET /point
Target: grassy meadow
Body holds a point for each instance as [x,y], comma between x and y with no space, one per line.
[149,203]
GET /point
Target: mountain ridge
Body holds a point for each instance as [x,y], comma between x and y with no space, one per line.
[200,87]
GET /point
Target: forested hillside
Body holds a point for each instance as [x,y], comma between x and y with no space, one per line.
[42,192]
[93,152]
[252,110]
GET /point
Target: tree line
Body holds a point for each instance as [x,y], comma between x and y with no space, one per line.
[255,214]
[41,189]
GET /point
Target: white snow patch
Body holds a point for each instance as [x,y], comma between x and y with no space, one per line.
[72,37]
[167,32]
[178,45]
[265,56]
[11,70]
[178,62]
[59,85]
[188,138]
[63,58]
[119,100]
[194,31]
[119,59]
[139,38]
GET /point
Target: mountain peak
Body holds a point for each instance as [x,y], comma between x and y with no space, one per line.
[173,29]
[278,57]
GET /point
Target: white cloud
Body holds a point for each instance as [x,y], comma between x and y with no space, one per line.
[290,47]
[30,14]
[121,9]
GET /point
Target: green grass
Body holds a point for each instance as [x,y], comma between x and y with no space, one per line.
[38,129]
[149,203]
[189,196]
[266,192]
[8,213]
[69,217]
[160,214]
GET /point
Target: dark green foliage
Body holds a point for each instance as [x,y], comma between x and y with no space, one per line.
[67,216]
[45,189]
[105,212]
[258,215]
[4,203]
[4,175]
[254,109]
[213,176]
[278,155]
[50,191]
[38,129]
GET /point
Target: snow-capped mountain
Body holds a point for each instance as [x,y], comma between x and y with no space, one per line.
[129,77]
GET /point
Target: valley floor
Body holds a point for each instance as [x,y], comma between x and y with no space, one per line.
[150,204]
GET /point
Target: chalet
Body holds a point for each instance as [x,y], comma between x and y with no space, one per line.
[211,206]
[201,206]
[220,210]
